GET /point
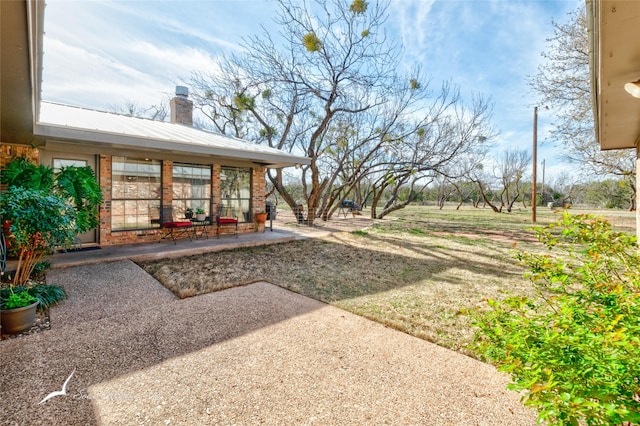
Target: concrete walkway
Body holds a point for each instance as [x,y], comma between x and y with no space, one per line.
[132,353]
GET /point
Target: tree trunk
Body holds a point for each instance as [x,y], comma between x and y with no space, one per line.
[486,200]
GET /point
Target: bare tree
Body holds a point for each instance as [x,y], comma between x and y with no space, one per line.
[444,190]
[327,86]
[510,169]
[485,182]
[455,135]
[568,187]
[157,112]
[458,173]
[563,84]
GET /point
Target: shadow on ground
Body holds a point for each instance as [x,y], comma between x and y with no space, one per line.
[118,320]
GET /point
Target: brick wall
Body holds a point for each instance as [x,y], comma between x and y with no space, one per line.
[167,183]
[11,152]
[215,188]
[106,236]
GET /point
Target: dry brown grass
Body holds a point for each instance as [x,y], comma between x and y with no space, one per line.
[417,273]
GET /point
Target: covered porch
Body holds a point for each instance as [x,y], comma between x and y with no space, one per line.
[284,229]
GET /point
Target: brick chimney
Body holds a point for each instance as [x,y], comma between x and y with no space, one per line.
[182,107]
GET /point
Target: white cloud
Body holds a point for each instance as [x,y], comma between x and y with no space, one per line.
[103,62]
[101,53]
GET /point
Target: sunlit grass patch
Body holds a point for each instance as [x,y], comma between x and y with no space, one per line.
[418,272]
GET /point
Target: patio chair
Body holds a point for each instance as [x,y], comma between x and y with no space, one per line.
[226,218]
[174,229]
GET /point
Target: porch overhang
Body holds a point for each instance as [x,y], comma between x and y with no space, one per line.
[21,34]
[614,31]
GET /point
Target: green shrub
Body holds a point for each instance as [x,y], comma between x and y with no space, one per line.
[17,299]
[39,221]
[575,350]
[46,294]
[44,211]
[40,268]
[80,186]
[21,172]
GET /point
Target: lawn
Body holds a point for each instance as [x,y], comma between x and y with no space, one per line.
[418,271]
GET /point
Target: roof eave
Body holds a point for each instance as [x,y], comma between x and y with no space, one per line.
[593,31]
[111,140]
[614,59]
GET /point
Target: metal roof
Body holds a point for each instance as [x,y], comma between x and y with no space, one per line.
[99,128]
[21,122]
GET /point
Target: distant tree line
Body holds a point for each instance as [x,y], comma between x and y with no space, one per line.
[609,194]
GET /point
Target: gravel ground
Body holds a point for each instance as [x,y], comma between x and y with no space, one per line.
[246,355]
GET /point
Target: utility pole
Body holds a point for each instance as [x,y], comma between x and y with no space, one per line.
[535,161]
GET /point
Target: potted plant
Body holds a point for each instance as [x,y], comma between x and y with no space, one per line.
[18,304]
[188,213]
[17,311]
[200,214]
[261,216]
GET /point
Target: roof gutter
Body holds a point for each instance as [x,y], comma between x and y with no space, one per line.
[35,28]
[593,31]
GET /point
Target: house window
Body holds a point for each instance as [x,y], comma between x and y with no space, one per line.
[235,192]
[135,193]
[191,188]
[59,163]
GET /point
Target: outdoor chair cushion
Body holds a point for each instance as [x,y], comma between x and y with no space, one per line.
[180,224]
[226,220]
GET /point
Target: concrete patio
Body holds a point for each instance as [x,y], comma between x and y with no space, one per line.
[132,353]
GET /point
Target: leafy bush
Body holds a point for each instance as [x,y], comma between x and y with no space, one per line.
[21,172]
[44,211]
[575,350]
[40,268]
[80,186]
[46,294]
[17,299]
[38,222]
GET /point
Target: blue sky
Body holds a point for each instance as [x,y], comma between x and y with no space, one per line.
[98,54]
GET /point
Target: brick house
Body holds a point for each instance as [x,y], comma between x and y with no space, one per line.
[148,170]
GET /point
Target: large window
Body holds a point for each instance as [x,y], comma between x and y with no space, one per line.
[235,192]
[191,189]
[136,193]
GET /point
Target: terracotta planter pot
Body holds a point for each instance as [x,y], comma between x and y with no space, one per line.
[261,217]
[19,319]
